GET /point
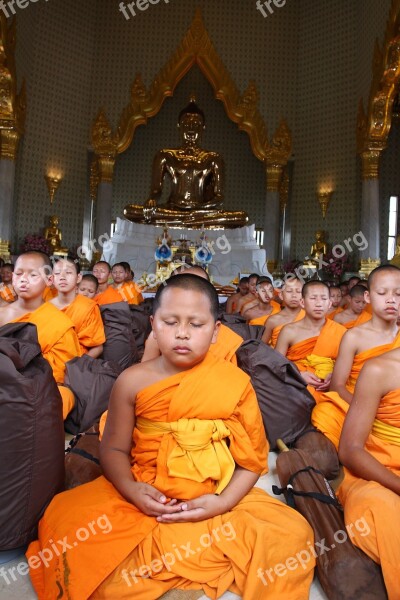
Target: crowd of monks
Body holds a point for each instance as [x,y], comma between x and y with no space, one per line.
[183,443]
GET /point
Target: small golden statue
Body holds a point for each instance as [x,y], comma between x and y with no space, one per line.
[396,257]
[53,236]
[196,175]
[320,246]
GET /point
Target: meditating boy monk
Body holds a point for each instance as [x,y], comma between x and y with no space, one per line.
[227,342]
[265,307]
[180,503]
[106,294]
[250,298]
[292,312]
[83,312]
[355,314]
[335,295]
[369,340]
[127,289]
[7,292]
[56,333]
[88,286]
[370,451]
[313,342]
[231,305]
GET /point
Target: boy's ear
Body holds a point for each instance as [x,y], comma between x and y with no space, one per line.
[280,294]
[367,297]
[151,323]
[79,278]
[216,330]
[302,302]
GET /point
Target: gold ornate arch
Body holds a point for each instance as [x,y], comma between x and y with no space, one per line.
[195,48]
[373,127]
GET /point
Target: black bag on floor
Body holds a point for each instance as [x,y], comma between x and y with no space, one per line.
[240,326]
[31,435]
[282,394]
[91,380]
[120,345]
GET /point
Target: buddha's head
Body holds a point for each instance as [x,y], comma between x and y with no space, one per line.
[191,122]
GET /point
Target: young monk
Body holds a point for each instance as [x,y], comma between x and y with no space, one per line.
[127,289]
[359,344]
[106,294]
[171,481]
[251,297]
[83,312]
[355,314]
[243,290]
[313,342]
[370,450]
[56,333]
[88,286]
[7,292]
[335,296]
[265,307]
[227,342]
[346,297]
[292,312]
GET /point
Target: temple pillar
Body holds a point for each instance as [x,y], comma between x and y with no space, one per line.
[9,139]
[370,257]
[272,215]
[104,195]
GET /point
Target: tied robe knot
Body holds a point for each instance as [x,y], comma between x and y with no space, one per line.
[201,451]
[386,432]
[322,365]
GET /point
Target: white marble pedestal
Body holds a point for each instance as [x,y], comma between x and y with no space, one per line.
[234,251]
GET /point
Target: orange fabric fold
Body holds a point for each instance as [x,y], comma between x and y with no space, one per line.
[276,308]
[226,345]
[109,296]
[7,293]
[85,315]
[326,344]
[259,524]
[276,330]
[362,318]
[130,292]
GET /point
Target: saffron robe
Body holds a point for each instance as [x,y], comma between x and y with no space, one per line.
[88,324]
[49,293]
[262,320]
[363,317]
[130,293]
[377,506]
[109,296]
[337,310]
[276,330]
[265,530]
[7,293]
[59,344]
[226,345]
[330,412]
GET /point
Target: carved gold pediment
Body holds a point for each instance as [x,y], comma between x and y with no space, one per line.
[196,48]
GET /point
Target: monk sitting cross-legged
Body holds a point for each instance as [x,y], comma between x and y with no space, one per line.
[56,333]
[355,314]
[370,451]
[265,307]
[369,340]
[183,446]
[313,342]
[290,295]
[83,312]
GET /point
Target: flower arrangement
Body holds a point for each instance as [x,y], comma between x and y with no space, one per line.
[291,266]
[336,265]
[35,242]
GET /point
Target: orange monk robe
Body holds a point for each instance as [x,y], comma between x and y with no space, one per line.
[88,324]
[374,505]
[329,414]
[363,317]
[276,308]
[59,344]
[7,293]
[226,345]
[109,296]
[265,532]
[49,293]
[130,292]
[276,330]
[335,312]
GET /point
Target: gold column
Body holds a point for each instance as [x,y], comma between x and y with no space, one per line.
[370,162]
[274,175]
[9,140]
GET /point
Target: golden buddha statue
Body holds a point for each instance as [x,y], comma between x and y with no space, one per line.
[396,257]
[53,235]
[319,246]
[196,174]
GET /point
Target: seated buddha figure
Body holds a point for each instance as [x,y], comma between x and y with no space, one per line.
[196,175]
[53,235]
[319,246]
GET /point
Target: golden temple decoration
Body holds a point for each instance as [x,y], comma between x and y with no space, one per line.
[196,48]
[12,104]
[374,125]
[284,191]
[105,146]
[324,198]
[53,182]
[368,265]
[94,179]
[274,176]
[5,252]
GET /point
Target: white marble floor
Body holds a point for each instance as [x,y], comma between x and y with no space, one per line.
[15,583]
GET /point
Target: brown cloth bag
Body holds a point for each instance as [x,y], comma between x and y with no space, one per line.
[240,326]
[31,435]
[141,326]
[120,345]
[82,463]
[344,571]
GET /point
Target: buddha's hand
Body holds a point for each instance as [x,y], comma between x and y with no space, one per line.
[151,501]
[149,208]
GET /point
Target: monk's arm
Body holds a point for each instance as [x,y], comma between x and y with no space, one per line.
[95,351]
[343,364]
[229,304]
[248,306]
[283,341]
[268,329]
[371,385]
[151,349]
